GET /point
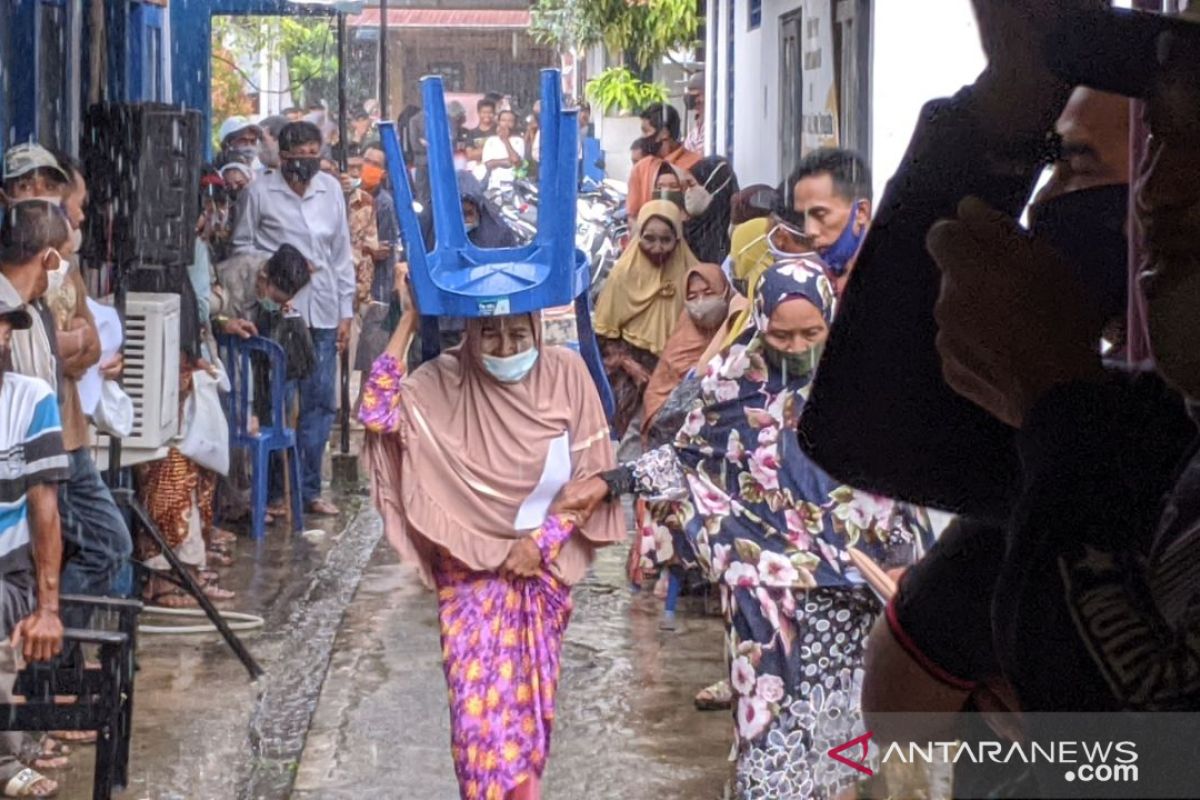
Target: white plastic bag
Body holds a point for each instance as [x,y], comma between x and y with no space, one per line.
[204,436]
[113,413]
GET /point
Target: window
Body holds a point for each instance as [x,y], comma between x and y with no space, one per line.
[754,17]
[146,53]
[454,75]
[852,46]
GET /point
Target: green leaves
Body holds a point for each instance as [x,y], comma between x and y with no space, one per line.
[619,88]
[647,29]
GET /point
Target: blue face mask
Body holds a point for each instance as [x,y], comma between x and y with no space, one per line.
[268,305]
[841,252]
[511,369]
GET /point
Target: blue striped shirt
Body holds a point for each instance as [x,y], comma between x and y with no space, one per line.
[31,453]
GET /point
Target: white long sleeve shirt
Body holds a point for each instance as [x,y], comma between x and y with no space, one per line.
[316,225]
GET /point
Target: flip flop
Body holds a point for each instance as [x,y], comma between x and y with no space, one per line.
[718,697]
[24,784]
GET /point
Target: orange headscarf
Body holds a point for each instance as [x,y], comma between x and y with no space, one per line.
[684,347]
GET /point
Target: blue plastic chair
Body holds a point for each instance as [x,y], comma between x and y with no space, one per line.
[271,438]
[592,173]
[458,279]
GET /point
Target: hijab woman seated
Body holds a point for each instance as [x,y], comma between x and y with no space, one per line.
[640,303]
[784,541]
[464,456]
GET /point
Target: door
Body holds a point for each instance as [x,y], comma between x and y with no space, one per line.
[791,89]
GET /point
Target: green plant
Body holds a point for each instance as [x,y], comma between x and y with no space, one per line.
[647,29]
[617,87]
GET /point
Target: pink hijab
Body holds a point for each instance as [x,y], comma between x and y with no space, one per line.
[471,450]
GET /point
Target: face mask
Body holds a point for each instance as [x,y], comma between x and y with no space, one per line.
[58,277]
[657,257]
[689,101]
[355,184]
[372,176]
[76,239]
[652,147]
[460,163]
[301,170]
[6,364]
[839,254]
[779,253]
[707,312]
[1088,228]
[470,226]
[696,201]
[511,369]
[795,366]
[671,196]
[246,154]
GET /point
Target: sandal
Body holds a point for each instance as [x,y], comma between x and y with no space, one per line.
[47,762]
[718,697]
[219,557]
[323,508]
[30,783]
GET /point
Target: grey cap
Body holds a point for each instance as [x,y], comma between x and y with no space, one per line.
[455,109]
[16,316]
[696,83]
[25,158]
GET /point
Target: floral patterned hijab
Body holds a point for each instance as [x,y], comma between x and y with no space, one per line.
[760,512]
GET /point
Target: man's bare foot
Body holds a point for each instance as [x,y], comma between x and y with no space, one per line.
[323,508]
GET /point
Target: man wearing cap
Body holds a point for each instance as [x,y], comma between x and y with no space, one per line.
[32,464]
[240,139]
[693,101]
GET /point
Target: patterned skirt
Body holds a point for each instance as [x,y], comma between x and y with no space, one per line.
[796,676]
[501,647]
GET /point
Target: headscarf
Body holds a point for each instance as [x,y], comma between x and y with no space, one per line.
[756,498]
[708,234]
[491,233]
[640,302]
[472,449]
[751,255]
[753,202]
[684,347]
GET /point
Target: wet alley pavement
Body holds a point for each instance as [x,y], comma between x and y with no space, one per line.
[353,703]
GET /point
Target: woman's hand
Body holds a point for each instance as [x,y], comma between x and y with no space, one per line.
[635,370]
[581,497]
[524,560]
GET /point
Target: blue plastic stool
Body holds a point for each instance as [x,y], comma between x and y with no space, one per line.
[236,353]
[458,279]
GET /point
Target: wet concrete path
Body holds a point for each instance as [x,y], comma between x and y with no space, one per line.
[353,703]
[626,729]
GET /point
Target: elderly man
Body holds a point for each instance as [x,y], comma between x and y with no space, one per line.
[241,140]
[304,207]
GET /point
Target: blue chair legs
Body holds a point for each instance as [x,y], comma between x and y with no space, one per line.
[293,465]
[589,348]
[260,465]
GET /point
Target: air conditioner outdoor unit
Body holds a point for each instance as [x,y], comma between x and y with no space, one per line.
[151,376]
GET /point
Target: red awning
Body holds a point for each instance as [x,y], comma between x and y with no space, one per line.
[443,18]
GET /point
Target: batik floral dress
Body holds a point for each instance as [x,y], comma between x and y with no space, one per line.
[775,532]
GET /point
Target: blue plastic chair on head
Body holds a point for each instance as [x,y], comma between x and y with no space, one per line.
[592,173]
[458,279]
[273,435]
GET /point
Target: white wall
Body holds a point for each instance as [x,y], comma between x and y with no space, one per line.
[922,51]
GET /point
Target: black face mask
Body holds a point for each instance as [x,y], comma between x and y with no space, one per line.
[652,147]
[689,101]
[301,170]
[1088,228]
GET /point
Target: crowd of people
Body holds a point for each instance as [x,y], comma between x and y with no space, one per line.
[798,377]
[797,380]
